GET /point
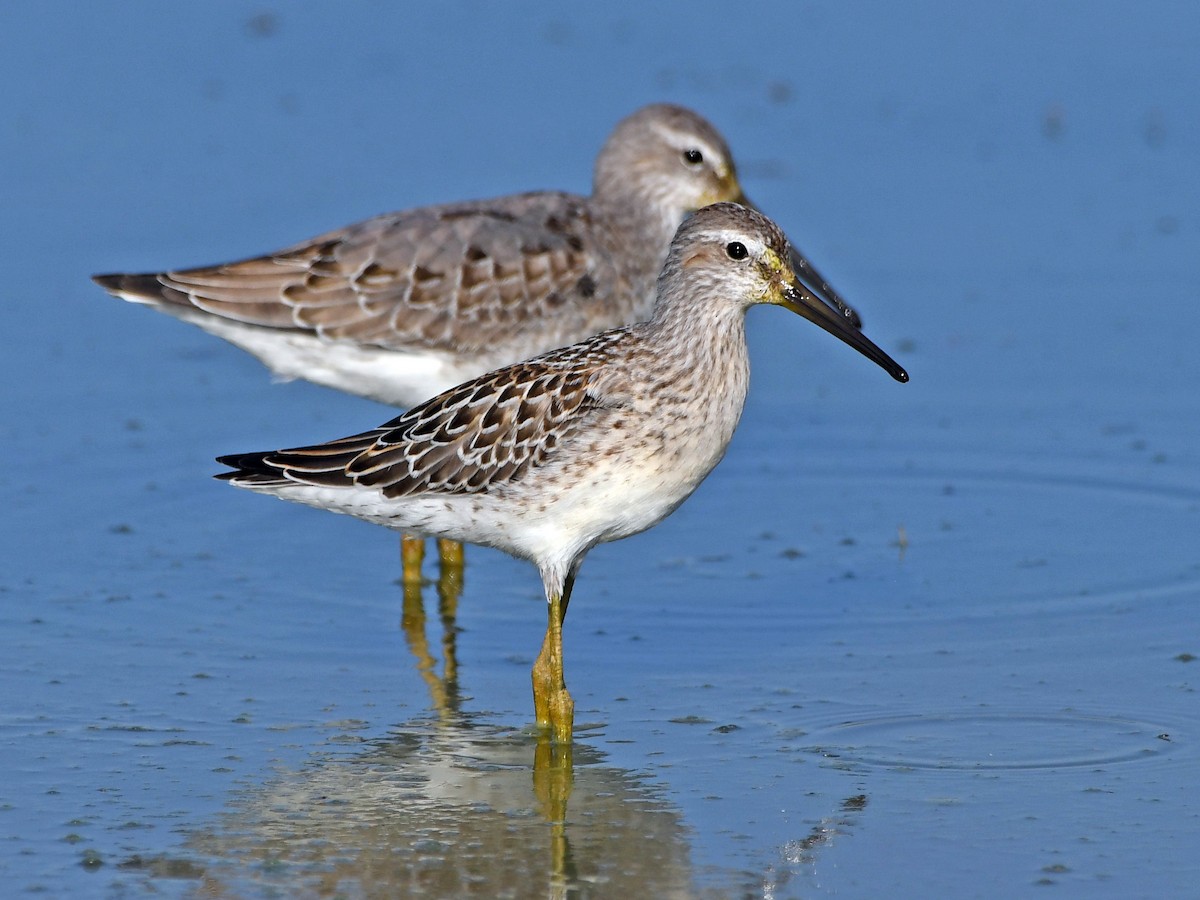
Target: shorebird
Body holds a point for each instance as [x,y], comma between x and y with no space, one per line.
[403,306]
[589,443]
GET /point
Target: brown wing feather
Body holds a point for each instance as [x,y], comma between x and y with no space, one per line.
[461,276]
[485,432]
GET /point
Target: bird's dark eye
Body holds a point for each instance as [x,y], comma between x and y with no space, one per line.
[693,157]
[736,250]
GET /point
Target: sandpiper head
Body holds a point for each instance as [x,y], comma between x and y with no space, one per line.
[669,157]
[744,256]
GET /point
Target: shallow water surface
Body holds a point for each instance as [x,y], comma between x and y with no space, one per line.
[935,639]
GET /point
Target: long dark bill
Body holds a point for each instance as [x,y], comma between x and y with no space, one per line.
[814,280]
[800,300]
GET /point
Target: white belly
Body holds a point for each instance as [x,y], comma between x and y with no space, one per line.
[400,378]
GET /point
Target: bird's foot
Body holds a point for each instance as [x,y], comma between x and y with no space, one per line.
[552,702]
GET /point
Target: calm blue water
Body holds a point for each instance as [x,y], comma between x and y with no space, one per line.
[936,639]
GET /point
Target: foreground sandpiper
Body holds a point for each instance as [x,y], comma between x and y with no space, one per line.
[590,443]
[404,306]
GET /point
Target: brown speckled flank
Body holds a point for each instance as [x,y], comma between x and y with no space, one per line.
[586,444]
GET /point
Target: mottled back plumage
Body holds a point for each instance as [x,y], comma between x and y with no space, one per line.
[455,277]
[487,432]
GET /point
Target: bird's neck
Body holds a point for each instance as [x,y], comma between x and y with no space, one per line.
[708,348]
[641,231]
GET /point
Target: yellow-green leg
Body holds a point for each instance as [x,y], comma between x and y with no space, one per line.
[552,703]
[451,554]
[412,554]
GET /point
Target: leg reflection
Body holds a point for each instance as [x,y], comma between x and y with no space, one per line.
[553,777]
[553,768]
[450,588]
[443,689]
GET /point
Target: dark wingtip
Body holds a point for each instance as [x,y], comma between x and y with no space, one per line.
[139,285]
[248,468]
